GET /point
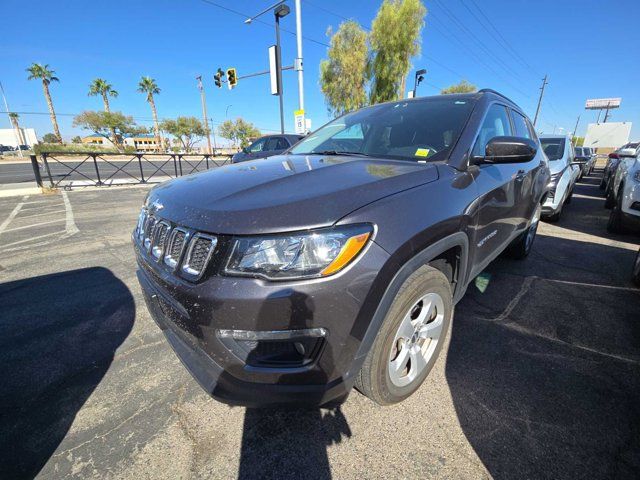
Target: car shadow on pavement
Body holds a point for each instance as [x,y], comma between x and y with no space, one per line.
[291,443]
[58,337]
[544,366]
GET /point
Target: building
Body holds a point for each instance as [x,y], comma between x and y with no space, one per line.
[97,140]
[11,137]
[142,143]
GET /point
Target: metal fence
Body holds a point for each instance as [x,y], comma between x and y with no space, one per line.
[69,169]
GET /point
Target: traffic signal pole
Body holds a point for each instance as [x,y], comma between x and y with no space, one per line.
[204,114]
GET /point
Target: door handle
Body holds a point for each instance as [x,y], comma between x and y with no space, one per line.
[521,174]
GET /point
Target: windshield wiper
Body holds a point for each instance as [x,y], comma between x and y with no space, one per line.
[338,153]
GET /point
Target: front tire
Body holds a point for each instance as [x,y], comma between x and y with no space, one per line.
[410,339]
[522,246]
[616,217]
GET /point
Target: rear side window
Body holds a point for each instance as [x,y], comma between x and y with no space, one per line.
[281,144]
[271,144]
[495,124]
[520,125]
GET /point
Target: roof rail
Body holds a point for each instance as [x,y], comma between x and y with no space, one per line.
[490,90]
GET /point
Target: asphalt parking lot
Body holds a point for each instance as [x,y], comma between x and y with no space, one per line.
[541,377]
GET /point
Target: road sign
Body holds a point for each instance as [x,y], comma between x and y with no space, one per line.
[602,103]
[273,70]
[300,124]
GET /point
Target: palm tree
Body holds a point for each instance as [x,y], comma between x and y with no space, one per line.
[16,126]
[149,86]
[101,87]
[42,72]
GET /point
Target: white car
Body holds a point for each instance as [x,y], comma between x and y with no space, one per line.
[564,174]
[624,193]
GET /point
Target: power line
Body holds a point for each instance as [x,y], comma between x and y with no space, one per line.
[330,12]
[504,40]
[257,20]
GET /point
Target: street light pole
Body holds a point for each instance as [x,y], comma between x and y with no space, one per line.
[279,12]
[205,117]
[298,61]
[417,80]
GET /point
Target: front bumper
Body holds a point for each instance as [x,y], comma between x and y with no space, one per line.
[191,315]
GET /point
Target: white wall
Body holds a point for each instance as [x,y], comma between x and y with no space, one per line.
[607,135]
[8,136]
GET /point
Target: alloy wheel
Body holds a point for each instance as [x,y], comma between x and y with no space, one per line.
[416,339]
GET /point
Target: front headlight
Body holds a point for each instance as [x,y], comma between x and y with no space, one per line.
[311,254]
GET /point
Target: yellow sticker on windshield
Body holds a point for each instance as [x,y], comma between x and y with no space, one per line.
[422,152]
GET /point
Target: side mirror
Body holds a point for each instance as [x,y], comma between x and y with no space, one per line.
[509,150]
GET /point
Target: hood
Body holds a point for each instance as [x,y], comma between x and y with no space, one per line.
[282,193]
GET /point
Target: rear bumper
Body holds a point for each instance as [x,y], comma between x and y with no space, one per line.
[192,317]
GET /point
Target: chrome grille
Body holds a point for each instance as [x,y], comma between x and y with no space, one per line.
[200,249]
[160,235]
[149,226]
[175,245]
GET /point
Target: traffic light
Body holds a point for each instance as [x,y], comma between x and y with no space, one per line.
[218,78]
[232,78]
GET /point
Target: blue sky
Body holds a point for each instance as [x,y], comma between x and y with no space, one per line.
[588,48]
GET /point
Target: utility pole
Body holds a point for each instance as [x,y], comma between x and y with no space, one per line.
[6,107]
[298,60]
[280,11]
[576,128]
[606,113]
[544,84]
[203,100]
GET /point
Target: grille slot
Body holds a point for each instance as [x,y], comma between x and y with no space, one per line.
[160,236]
[149,226]
[175,246]
[142,218]
[200,249]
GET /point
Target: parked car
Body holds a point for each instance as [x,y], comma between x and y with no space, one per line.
[564,174]
[584,159]
[591,154]
[266,146]
[6,148]
[624,192]
[612,164]
[339,263]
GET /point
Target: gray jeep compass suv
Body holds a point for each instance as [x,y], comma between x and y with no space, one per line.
[289,280]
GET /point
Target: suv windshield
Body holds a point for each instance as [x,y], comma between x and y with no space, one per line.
[579,151]
[407,130]
[553,147]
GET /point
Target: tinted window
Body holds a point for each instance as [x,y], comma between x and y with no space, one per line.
[579,151]
[520,125]
[271,144]
[553,147]
[495,124]
[282,144]
[414,130]
[257,146]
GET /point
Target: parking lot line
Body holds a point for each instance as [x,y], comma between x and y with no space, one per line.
[70,227]
[30,239]
[22,217]
[35,225]
[11,216]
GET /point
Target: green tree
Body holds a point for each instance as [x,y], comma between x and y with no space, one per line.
[76,139]
[395,38]
[238,131]
[103,123]
[49,138]
[101,87]
[148,86]
[462,87]
[37,71]
[186,130]
[578,141]
[343,76]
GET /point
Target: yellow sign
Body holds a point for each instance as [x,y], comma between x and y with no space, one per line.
[299,122]
[422,152]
